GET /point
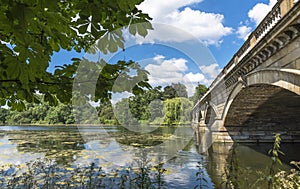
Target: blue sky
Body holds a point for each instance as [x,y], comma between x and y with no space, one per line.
[218,27]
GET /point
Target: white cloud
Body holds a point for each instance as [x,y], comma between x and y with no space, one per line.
[191,80]
[243,32]
[260,10]
[207,27]
[212,70]
[156,8]
[164,72]
[191,77]
[171,65]
[158,58]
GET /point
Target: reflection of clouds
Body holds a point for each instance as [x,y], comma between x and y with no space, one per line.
[184,168]
[10,155]
[178,178]
[109,152]
[108,156]
[101,147]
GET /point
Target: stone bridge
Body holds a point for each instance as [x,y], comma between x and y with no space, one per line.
[257,92]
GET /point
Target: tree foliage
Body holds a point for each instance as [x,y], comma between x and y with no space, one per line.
[3,115]
[180,89]
[147,107]
[177,110]
[169,92]
[32,30]
[200,90]
[156,106]
[140,105]
[40,114]
[175,90]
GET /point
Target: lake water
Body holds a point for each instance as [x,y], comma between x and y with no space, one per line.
[111,147]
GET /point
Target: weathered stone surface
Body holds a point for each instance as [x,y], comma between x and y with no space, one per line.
[258,93]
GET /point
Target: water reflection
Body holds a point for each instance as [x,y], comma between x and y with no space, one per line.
[111,146]
[59,143]
[115,144]
[253,162]
[120,147]
[107,147]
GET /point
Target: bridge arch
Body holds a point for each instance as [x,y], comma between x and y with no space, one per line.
[288,79]
[268,101]
[237,88]
[211,113]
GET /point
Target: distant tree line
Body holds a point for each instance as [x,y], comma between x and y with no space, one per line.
[168,105]
[38,114]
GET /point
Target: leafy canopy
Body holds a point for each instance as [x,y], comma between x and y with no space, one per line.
[32,30]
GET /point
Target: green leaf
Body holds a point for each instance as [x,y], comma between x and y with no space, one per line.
[2,101]
[132,29]
[112,47]
[20,106]
[83,28]
[54,45]
[123,5]
[37,29]
[142,30]
[51,99]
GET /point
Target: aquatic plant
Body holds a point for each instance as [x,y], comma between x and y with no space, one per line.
[275,151]
[232,170]
[200,177]
[46,173]
[291,179]
[159,172]
[272,177]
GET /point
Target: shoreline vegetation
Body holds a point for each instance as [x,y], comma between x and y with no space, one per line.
[168,106]
[87,124]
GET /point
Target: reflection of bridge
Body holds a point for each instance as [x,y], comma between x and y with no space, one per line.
[258,91]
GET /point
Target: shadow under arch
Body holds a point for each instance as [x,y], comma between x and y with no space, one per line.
[267,102]
[211,114]
[258,111]
[288,79]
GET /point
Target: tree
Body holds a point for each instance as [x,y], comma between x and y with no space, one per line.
[106,113]
[200,90]
[180,90]
[3,115]
[169,92]
[32,30]
[123,113]
[40,113]
[61,114]
[175,90]
[177,110]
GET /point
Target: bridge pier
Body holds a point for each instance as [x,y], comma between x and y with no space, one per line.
[203,136]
